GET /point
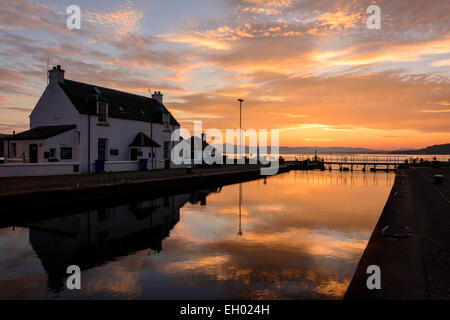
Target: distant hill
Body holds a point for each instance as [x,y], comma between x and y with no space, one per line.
[436,149]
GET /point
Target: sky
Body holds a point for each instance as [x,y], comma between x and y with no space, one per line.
[311,69]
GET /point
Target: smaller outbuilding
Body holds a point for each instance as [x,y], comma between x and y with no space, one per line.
[43,144]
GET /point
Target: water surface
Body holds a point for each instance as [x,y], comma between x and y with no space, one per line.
[298,235]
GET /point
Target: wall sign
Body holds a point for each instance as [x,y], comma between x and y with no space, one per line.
[66,153]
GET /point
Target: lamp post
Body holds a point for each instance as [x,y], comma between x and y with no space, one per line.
[240,123]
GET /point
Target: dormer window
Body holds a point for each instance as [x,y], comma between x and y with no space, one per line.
[102,112]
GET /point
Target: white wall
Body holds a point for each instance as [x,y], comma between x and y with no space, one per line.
[65,139]
[117,166]
[120,133]
[37,169]
[55,108]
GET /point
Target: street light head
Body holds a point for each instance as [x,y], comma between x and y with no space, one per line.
[241,100]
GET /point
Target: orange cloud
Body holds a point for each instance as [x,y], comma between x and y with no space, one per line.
[124,20]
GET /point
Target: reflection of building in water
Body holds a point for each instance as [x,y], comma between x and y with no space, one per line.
[200,196]
[96,237]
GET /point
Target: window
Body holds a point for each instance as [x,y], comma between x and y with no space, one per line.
[166,149]
[105,214]
[52,154]
[166,120]
[102,111]
[102,148]
[13,150]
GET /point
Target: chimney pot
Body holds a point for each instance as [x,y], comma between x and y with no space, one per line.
[158,96]
[56,74]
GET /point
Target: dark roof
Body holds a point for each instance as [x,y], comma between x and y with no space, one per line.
[142,140]
[40,133]
[4,136]
[122,105]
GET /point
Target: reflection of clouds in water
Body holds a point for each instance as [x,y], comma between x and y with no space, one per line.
[14,249]
[302,238]
[270,208]
[17,257]
[319,265]
[115,279]
[203,226]
[233,211]
[317,203]
[321,229]
[29,287]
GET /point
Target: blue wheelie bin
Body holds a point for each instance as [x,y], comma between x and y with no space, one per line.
[143,164]
[99,166]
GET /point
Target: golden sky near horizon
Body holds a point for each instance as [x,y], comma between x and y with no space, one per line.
[311,69]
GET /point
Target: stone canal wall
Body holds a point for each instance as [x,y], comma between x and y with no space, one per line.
[410,243]
[91,191]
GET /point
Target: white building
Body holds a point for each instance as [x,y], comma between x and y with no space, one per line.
[74,124]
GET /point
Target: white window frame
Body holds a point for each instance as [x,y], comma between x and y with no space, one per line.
[13,150]
[166,156]
[105,150]
[98,112]
[52,155]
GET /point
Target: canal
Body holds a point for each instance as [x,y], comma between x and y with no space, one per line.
[297,235]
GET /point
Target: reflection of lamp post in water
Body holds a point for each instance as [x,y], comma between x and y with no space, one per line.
[240,209]
[240,126]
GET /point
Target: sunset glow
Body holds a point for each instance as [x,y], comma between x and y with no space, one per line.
[311,69]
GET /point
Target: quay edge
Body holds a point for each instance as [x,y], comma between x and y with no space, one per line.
[410,242]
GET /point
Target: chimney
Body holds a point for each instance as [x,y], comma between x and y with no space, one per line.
[158,96]
[56,74]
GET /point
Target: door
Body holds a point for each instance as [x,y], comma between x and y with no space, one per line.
[33,153]
[134,154]
[102,148]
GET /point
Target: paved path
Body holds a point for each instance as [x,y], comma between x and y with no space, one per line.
[433,217]
[411,241]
